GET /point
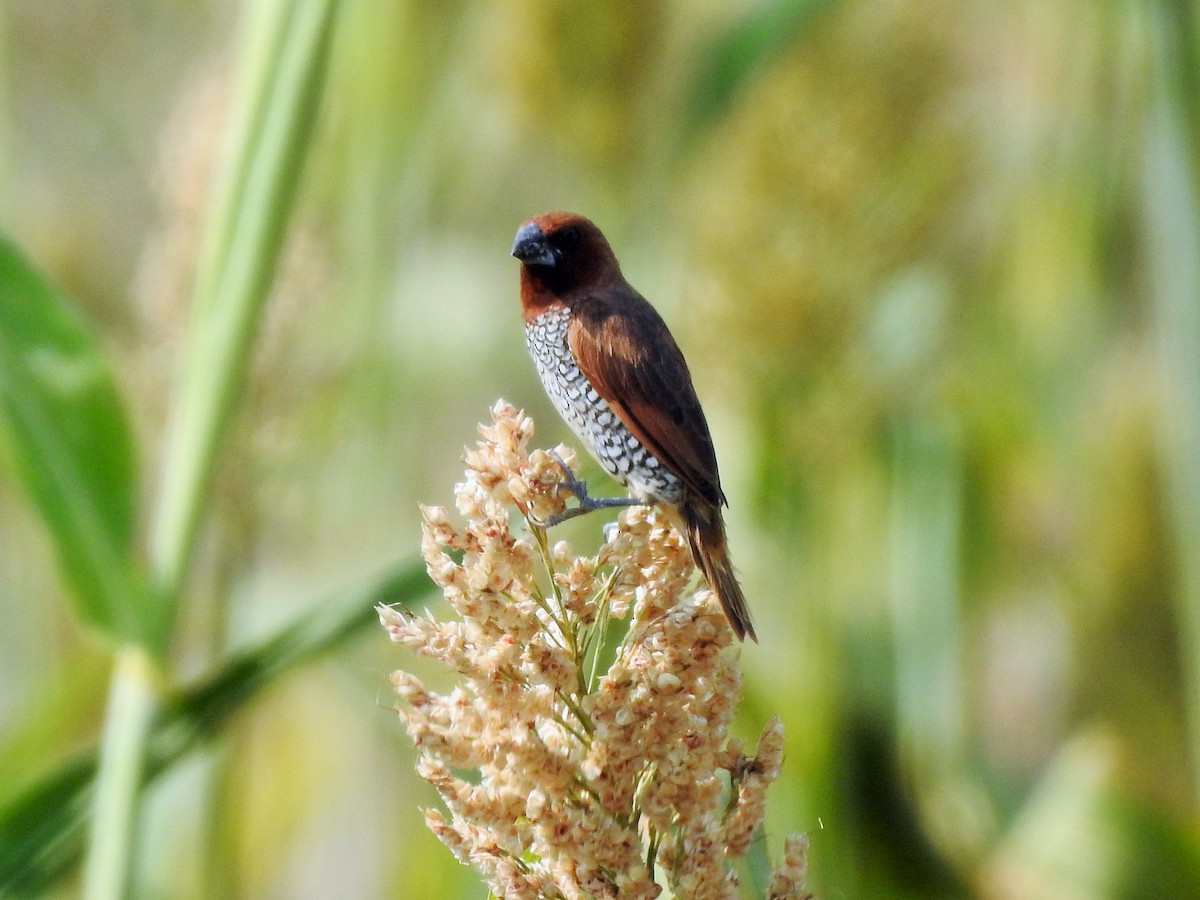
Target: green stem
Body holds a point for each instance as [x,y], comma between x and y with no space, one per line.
[602,628]
[572,704]
[539,537]
[132,701]
[652,850]
[285,69]
[583,737]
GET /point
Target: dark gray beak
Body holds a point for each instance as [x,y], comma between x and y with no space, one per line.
[531,247]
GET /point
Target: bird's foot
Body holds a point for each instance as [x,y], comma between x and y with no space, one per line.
[586,504]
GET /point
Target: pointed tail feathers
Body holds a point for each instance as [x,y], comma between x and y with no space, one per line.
[706,535]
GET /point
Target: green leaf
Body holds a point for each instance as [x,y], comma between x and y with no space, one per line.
[71,443]
[42,831]
[742,51]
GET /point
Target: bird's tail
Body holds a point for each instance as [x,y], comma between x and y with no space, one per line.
[706,535]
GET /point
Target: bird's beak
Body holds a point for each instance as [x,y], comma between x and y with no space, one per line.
[531,247]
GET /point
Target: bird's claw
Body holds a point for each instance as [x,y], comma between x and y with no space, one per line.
[587,504]
[574,485]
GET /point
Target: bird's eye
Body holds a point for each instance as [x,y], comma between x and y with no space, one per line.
[568,237]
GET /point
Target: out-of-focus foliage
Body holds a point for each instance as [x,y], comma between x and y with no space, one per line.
[69,436]
[936,266]
[41,829]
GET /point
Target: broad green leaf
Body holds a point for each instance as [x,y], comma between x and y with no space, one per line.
[71,443]
[42,831]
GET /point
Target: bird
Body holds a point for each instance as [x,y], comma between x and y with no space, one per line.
[615,374]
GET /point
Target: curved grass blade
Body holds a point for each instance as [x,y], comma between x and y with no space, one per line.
[71,442]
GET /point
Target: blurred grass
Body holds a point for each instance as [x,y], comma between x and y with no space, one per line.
[285,59]
[1172,211]
[71,440]
[284,62]
[934,265]
[42,828]
[740,51]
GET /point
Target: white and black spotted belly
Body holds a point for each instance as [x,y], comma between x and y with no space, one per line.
[601,430]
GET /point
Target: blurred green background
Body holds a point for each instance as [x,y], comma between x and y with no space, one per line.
[936,267]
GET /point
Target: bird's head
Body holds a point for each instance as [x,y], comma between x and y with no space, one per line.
[563,251]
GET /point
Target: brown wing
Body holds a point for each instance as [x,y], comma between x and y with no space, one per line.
[624,348]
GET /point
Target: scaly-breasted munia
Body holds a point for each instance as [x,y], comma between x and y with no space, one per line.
[617,377]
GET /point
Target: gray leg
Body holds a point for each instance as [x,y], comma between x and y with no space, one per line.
[586,504]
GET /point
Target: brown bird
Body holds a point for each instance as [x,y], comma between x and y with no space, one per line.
[615,374]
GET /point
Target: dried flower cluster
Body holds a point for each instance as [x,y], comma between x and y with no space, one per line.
[594,699]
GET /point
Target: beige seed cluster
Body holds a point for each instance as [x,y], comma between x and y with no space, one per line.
[593,700]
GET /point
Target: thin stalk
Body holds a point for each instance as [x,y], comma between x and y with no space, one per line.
[539,537]
[583,737]
[256,196]
[132,702]
[584,719]
[652,850]
[602,616]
